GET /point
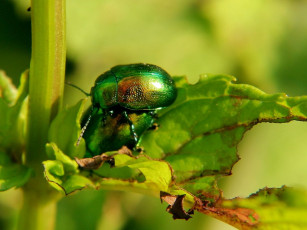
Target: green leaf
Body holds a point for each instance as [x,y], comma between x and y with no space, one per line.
[13,119]
[12,174]
[55,153]
[13,112]
[269,208]
[62,172]
[198,135]
[65,131]
[157,174]
[195,144]
[8,91]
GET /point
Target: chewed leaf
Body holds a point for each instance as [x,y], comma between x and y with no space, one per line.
[176,206]
[198,135]
[65,130]
[269,208]
[194,145]
[12,174]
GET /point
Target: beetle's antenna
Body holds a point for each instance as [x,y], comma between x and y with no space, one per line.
[94,111]
[68,83]
[83,129]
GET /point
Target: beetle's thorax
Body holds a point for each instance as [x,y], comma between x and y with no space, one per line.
[104,92]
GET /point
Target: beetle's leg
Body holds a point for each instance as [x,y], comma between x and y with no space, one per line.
[154,125]
[132,128]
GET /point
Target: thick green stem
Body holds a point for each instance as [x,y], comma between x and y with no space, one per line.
[37,213]
[47,70]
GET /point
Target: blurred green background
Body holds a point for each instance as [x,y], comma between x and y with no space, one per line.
[263,43]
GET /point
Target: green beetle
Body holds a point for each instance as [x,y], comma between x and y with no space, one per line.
[124,102]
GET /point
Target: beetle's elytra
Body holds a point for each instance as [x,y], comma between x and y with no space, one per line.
[134,87]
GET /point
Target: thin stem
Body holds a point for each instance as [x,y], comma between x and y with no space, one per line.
[47,70]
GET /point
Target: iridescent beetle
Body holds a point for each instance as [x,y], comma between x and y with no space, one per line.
[124,102]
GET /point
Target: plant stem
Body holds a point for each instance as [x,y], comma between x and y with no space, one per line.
[37,213]
[47,72]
